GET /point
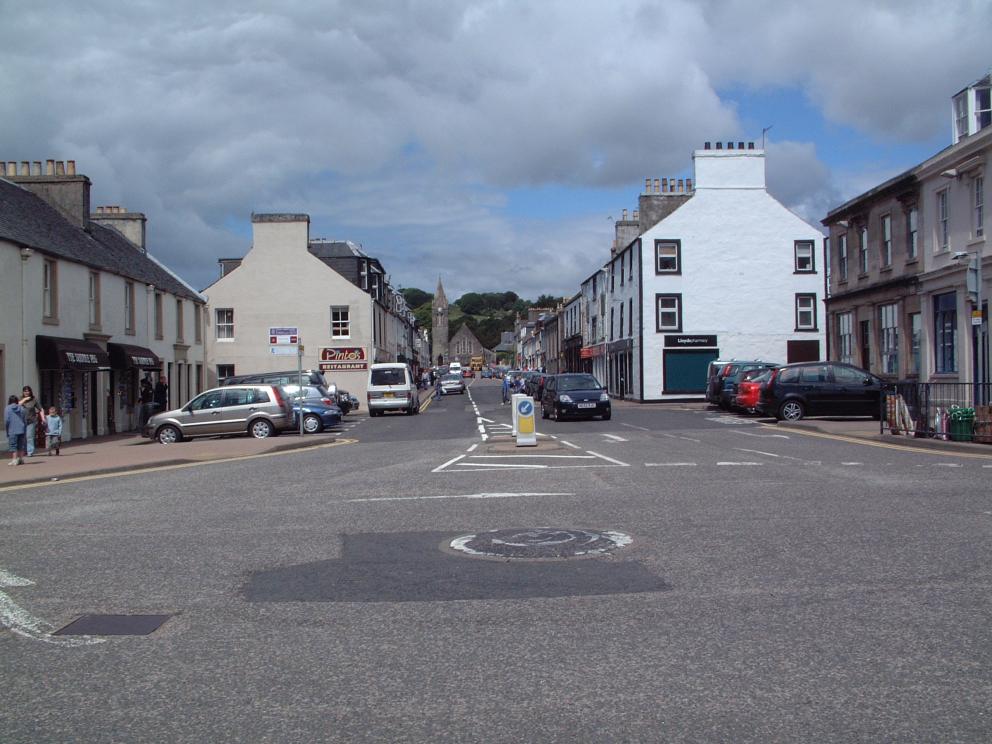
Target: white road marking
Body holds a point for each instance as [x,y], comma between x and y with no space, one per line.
[770,454]
[609,459]
[669,464]
[730,421]
[852,463]
[631,426]
[569,444]
[563,457]
[452,461]
[20,621]
[500,465]
[494,495]
[488,421]
[948,464]
[615,438]
[738,463]
[761,436]
[472,448]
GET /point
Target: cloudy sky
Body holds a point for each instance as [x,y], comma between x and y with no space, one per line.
[488,141]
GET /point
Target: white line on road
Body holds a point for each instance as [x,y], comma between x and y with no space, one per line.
[615,438]
[472,448]
[569,444]
[631,426]
[609,459]
[760,436]
[500,465]
[494,495]
[852,463]
[770,454]
[738,463]
[488,421]
[452,461]
[563,457]
[23,623]
[669,464]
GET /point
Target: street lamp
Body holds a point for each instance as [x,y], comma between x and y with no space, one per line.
[977,319]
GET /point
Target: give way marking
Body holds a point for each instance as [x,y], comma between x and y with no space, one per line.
[471,463]
[21,622]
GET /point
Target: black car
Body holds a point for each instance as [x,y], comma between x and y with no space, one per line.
[574,395]
[534,385]
[820,389]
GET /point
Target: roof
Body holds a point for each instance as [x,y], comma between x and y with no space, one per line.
[336,249]
[30,221]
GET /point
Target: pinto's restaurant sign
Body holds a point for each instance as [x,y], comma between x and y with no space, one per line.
[343,357]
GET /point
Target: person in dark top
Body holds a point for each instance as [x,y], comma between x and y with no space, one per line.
[146,395]
[162,393]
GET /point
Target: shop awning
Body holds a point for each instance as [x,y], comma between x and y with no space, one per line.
[69,353]
[126,356]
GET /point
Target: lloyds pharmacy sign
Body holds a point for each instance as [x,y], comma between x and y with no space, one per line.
[682,342]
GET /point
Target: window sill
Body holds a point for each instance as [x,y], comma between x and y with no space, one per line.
[806,271]
[976,241]
[53,321]
[912,261]
[806,330]
[886,269]
[862,276]
[224,340]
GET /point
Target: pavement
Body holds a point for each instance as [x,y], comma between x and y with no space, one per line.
[127,452]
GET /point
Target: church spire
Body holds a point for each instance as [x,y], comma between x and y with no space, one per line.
[439,296]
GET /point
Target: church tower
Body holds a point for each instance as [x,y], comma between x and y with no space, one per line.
[439,325]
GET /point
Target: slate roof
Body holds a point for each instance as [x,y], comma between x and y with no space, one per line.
[30,221]
[336,249]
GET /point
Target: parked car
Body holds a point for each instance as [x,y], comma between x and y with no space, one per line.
[452,383]
[820,389]
[258,410]
[468,373]
[574,395]
[319,406]
[713,382]
[289,377]
[391,387]
[534,384]
[730,377]
[749,389]
[486,373]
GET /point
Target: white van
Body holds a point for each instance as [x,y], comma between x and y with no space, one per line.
[455,367]
[392,388]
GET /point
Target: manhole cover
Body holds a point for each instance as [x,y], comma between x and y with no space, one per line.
[114,625]
[539,542]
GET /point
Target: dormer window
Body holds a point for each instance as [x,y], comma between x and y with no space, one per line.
[961,115]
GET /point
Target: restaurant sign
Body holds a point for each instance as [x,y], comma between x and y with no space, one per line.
[343,357]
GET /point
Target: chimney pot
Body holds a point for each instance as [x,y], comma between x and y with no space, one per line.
[647,185]
[3,167]
[688,184]
[740,145]
[12,168]
[730,145]
[664,185]
[706,145]
[624,217]
[49,167]
[750,145]
[70,167]
[681,186]
[636,215]
[657,186]
[36,168]
[59,168]
[719,145]
[25,168]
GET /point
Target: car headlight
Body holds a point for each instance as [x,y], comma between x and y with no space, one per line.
[604,398]
[565,398]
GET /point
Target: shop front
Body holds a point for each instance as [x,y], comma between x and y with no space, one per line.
[70,370]
[128,364]
[686,361]
[620,365]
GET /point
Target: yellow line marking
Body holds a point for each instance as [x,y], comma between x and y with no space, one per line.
[178,466]
[424,406]
[883,445]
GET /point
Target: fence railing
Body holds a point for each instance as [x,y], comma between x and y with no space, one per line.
[945,410]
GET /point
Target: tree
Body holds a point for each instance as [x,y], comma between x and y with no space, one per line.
[416,297]
[547,301]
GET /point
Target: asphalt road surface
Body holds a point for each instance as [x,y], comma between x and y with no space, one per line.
[776,586]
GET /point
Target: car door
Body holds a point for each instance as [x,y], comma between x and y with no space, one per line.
[817,389]
[858,391]
[548,398]
[238,406]
[203,415]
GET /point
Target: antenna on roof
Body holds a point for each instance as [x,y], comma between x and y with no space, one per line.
[763,132]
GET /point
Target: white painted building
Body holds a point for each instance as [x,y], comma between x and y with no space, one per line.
[726,272]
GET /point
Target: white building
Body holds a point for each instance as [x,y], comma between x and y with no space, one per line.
[85,311]
[335,297]
[726,272]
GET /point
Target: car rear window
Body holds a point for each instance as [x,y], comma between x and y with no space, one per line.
[388,377]
[578,382]
[261,396]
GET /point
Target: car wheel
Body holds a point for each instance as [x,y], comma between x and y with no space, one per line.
[607,416]
[791,410]
[260,429]
[312,424]
[555,413]
[169,435]
[544,412]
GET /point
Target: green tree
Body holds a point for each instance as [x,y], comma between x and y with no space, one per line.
[416,297]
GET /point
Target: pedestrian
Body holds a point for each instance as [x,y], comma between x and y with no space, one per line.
[53,431]
[162,394]
[14,425]
[32,415]
[506,390]
[437,388]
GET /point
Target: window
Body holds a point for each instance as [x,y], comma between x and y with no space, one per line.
[804,257]
[842,257]
[158,315]
[983,108]
[945,324]
[863,250]
[630,317]
[50,291]
[845,338]
[340,322]
[915,338]
[224,370]
[888,325]
[225,324]
[866,344]
[632,261]
[961,115]
[805,312]
[669,312]
[621,319]
[942,229]
[612,315]
[364,273]
[197,324]
[978,186]
[668,256]
[129,308]
[886,247]
[912,227]
[180,325]
[621,271]
[94,300]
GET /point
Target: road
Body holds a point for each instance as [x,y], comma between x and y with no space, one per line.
[778,586]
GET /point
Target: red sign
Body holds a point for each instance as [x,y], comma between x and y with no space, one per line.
[343,357]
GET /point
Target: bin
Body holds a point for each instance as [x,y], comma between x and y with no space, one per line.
[962,424]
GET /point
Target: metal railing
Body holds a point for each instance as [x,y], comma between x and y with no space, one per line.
[934,409]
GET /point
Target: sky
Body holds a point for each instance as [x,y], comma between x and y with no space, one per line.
[489,142]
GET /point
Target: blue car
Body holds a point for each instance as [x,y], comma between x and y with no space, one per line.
[316,416]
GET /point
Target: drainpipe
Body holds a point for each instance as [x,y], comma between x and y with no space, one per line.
[25,256]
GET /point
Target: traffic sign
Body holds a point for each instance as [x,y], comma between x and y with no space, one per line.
[526,431]
[288,335]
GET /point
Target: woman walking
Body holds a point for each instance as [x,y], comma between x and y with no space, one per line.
[13,423]
[32,414]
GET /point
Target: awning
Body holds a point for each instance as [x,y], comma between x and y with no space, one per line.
[69,353]
[126,356]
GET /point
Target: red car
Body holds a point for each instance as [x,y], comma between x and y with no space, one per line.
[749,389]
[468,372]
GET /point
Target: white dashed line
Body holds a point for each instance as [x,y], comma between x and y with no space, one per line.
[615,438]
[669,464]
[639,428]
[739,463]
[609,459]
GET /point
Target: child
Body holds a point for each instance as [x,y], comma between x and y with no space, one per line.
[13,422]
[53,430]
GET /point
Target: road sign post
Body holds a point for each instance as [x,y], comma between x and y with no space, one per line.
[526,430]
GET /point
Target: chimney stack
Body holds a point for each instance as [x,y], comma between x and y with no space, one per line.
[129,224]
[69,194]
[657,186]
[647,185]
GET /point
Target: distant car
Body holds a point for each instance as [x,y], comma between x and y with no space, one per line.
[820,389]
[468,373]
[320,409]
[391,387]
[259,410]
[713,381]
[574,395]
[731,376]
[452,383]
[749,389]
[486,373]
[287,377]
[534,384]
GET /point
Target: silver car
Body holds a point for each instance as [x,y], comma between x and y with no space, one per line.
[258,410]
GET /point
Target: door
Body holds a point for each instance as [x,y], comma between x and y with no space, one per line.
[204,415]
[239,406]
[817,388]
[854,396]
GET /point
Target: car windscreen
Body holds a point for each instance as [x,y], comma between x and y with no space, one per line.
[388,377]
[452,378]
[578,382]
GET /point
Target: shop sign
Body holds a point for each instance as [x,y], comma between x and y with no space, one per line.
[143,361]
[343,358]
[77,357]
[682,342]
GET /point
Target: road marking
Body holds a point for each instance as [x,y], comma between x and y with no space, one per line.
[569,444]
[770,454]
[609,459]
[20,621]
[177,466]
[948,465]
[885,445]
[669,464]
[500,465]
[615,438]
[739,463]
[852,463]
[488,421]
[640,428]
[563,457]
[452,461]
[472,448]
[762,436]
[494,495]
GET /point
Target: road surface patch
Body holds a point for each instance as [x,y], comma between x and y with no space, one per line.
[540,543]
[113,625]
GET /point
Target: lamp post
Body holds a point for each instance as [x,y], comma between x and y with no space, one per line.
[977,319]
